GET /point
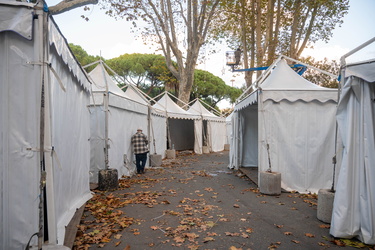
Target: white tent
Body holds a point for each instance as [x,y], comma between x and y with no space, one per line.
[214,127]
[30,66]
[287,126]
[127,111]
[354,204]
[184,129]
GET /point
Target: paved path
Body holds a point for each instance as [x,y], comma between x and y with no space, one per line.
[196,202]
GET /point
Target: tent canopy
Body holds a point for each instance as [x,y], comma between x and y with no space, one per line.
[198,109]
[166,104]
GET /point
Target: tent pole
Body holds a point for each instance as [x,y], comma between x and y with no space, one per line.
[106,101]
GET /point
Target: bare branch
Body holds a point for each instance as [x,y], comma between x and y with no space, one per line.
[67,5]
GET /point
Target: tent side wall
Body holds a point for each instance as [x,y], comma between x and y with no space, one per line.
[70,134]
[122,125]
[217,135]
[19,128]
[97,135]
[125,117]
[353,212]
[301,142]
[66,146]
[158,134]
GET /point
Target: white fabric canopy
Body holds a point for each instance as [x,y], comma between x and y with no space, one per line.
[353,210]
[296,119]
[66,135]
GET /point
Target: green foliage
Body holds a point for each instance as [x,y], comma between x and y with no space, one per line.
[320,78]
[212,89]
[148,72]
[82,56]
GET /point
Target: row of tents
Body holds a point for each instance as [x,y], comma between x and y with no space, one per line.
[315,137]
[59,126]
[116,114]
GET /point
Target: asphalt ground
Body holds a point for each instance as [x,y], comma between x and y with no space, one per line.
[196,202]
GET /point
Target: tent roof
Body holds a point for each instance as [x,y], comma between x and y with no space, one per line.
[134,95]
[283,83]
[101,80]
[198,109]
[285,78]
[167,105]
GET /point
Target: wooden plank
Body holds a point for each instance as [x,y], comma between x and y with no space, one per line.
[71,229]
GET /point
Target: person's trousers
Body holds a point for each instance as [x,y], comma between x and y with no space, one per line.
[140,161]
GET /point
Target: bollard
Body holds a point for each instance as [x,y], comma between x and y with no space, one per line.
[108,179]
[325,205]
[270,183]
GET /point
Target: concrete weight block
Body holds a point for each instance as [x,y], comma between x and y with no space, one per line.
[206,150]
[108,179]
[270,183]
[155,160]
[171,154]
[325,205]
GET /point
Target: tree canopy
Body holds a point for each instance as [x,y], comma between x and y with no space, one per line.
[265,29]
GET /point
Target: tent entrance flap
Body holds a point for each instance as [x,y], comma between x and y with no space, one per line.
[181,133]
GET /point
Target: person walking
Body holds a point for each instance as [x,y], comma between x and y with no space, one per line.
[140,146]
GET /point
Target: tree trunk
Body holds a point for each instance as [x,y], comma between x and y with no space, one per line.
[259,55]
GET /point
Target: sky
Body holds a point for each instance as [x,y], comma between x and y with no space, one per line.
[108,37]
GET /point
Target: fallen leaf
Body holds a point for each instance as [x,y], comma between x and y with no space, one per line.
[324,226]
[117,243]
[279,226]
[179,239]
[236,205]
[154,227]
[117,236]
[249,230]
[288,233]
[106,240]
[234,248]
[295,241]
[244,235]
[309,235]
[211,234]
[207,239]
